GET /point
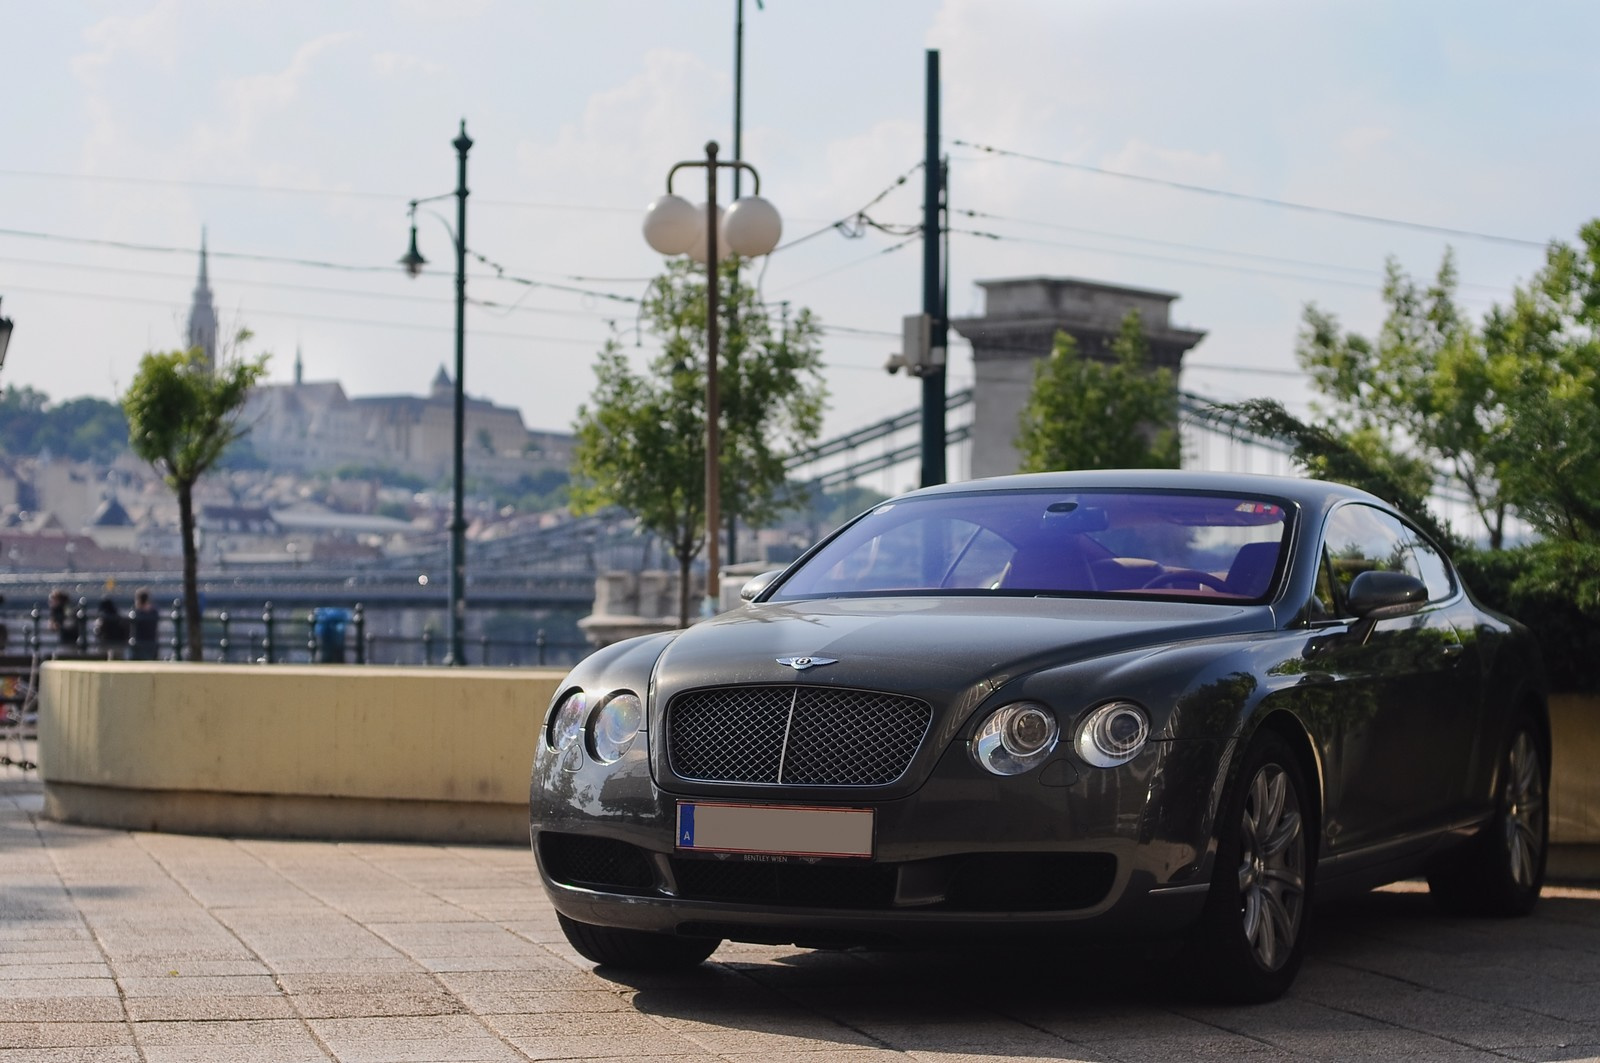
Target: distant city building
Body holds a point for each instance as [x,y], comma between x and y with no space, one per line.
[203,314]
[1018,328]
[316,428]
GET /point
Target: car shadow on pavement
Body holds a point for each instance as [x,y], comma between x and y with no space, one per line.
[1385,972]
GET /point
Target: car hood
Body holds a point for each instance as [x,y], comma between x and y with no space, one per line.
[933,647]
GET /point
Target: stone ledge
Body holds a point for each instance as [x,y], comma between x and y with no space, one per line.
[288,815]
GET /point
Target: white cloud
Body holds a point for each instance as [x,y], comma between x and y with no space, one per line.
[400,65]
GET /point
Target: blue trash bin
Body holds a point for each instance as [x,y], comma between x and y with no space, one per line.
[328,625]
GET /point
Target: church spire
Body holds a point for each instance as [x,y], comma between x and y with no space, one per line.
[203,313]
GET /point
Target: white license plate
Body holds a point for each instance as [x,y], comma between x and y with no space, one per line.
[777,830]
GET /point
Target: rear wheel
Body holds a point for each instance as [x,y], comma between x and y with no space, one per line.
[1251,938]
[635,950]
[1501,872]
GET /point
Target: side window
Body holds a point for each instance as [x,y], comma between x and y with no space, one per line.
[1323,602]
[1361,539]
[1435,569]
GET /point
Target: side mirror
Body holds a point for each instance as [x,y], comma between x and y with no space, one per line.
[1381,595]
[756,584]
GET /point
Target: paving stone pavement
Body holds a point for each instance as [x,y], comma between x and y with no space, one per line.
[160,948]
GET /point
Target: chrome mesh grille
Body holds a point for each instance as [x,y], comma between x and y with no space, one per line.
[834,737]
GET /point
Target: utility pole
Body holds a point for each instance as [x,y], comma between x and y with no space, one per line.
[934,298]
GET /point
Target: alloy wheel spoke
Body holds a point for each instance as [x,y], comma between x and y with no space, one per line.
[1252,914]
[1520,868]
[1266,931]
[1524,767]
[1288,833]
[1277,912]
[1272,794]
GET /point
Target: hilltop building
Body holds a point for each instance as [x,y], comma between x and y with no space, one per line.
[316,428]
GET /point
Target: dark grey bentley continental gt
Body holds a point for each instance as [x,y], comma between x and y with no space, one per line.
[1111,704]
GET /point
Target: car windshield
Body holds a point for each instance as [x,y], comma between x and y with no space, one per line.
[1104,544]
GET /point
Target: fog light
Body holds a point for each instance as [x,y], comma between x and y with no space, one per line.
[614,727]
[1113,734]
[1015,737]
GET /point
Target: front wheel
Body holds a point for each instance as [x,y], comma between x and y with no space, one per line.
[1251,938]
[1501,872]
[635,950]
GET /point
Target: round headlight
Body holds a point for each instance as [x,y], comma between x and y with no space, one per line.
[1113,734]
[614,727]
[566,723]
[1015,737]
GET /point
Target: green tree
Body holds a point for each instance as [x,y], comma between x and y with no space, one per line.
[1510,409]
[1424,385]
[641,437]
[1543,372]
[1358,458]
[181,418]
[84,429]
[1084,413]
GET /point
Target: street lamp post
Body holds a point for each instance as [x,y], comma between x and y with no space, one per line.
[750,228]
[413,262]
[5,338]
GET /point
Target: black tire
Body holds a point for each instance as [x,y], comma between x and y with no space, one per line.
[1500,873]
[635,950]
[1251,937]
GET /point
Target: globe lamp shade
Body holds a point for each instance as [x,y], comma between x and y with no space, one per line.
[672,224]
[698,251]
[752,227]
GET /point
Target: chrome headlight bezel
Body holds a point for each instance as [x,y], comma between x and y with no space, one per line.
[565,725]
[1112,734]
[1015,738]
[614,725]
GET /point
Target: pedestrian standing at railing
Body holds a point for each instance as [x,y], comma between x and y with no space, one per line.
[146,618]
[111,630]
[63,618]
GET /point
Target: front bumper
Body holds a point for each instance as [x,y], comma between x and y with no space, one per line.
[966,857]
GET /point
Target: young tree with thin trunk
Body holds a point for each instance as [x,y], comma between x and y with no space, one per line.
[182,416]
[641,437]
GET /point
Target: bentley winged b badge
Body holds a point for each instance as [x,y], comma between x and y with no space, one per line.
[800,664]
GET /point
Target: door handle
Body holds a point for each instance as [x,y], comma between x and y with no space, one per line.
[1452,650]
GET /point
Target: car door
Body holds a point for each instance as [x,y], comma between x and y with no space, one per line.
[1405,710]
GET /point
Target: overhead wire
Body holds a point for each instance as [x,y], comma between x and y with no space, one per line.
[859,214]
[1247,197]
[1364,271]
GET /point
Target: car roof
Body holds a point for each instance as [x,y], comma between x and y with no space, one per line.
[1312,494]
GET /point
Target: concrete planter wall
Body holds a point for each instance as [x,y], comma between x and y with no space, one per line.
[1575,785]
[327,751]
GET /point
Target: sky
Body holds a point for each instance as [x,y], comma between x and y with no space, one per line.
[1163,145]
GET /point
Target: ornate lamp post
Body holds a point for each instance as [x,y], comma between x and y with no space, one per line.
[413,262]
[750,228]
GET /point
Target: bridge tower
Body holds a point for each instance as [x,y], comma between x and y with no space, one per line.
[1019,325]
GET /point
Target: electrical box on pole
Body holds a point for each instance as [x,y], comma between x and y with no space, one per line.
[918,355]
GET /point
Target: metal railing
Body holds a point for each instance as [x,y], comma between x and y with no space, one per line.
[274,636]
